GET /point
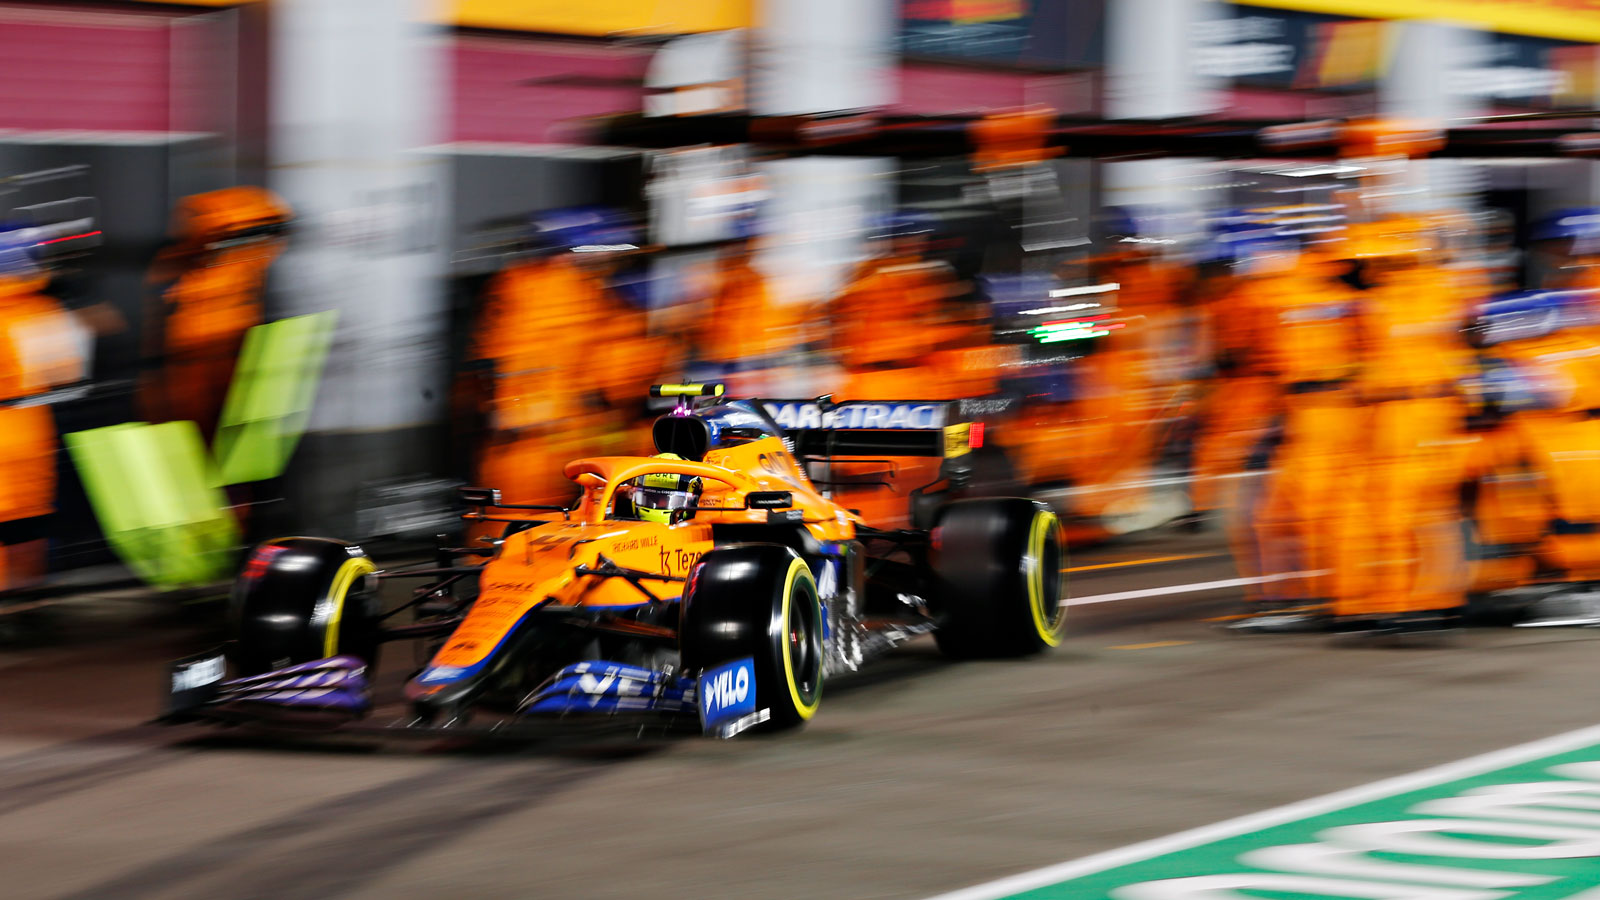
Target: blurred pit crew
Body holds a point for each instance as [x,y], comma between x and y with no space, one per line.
[1305,341]
[1412,447]
[1536,509]
[1137,251]
[210,281]
[42,346]
[1566,249]
[1237,412]
[748,335]
[1103,436]
[896,327]
[899,333]
[556,346]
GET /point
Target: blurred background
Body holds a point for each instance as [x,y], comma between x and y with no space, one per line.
[1314,274]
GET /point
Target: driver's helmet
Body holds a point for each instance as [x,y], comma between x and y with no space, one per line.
[665,497]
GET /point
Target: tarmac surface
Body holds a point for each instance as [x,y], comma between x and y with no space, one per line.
[919,777]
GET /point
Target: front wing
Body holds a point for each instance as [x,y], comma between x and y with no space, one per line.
[336,693]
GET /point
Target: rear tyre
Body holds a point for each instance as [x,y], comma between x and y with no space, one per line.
[760,601]
[998,569]
[302,599]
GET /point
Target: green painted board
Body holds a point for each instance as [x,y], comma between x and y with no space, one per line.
[269,401]
[153,491]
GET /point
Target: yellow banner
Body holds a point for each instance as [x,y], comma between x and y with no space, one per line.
[1572,20]
[618,17]
[610,17]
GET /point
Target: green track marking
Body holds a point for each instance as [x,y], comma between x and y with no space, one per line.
[1516,824]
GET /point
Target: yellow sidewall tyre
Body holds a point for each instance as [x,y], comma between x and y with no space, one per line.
[302,599]
[998,581]
[758,601]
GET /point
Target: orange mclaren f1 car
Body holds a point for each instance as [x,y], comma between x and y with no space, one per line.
[714,586]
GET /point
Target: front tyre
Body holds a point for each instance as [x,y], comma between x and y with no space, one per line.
[760,601]
[302,599]
[998,568]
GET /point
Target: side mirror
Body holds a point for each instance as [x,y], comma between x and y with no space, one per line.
[479,496]
[769,500]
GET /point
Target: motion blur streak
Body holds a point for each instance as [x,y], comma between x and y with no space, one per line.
[672,359]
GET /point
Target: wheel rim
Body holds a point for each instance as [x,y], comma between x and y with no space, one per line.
[802,643]
[799,643]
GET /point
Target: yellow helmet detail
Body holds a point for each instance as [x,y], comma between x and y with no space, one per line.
[665,497]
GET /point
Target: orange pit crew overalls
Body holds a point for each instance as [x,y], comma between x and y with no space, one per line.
[540,327]
[227,241]
[1105,439]
[1243,397]
[1413,447]
[1308,346]
[1541,488]
[1237,416]
[41,346]
[747,327]
[898,336]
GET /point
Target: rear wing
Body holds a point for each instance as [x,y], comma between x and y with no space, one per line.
[932,428]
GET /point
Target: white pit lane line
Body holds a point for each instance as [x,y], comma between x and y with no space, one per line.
[1270,818]
[1193,588]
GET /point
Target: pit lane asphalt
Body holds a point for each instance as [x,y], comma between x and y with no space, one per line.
[920,778]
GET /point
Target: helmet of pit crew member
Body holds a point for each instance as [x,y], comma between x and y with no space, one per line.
[583,229]
[16,253]
[1116,223]
[1523,315]
[902,224]
[1145,230]
[1246,243]
[234,213]
[1233,236]
[1511,386]
[744,215]
[664,497]
[1581,224]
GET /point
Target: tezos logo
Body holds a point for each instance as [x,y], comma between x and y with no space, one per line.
[729,688]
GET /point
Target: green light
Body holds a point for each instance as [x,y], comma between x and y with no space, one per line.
[1055,332]
[1073,336]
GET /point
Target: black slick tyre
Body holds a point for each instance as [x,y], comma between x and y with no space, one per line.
[301,599]
[760,601]
[997,565]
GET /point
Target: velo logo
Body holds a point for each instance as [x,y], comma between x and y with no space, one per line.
[727,692]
